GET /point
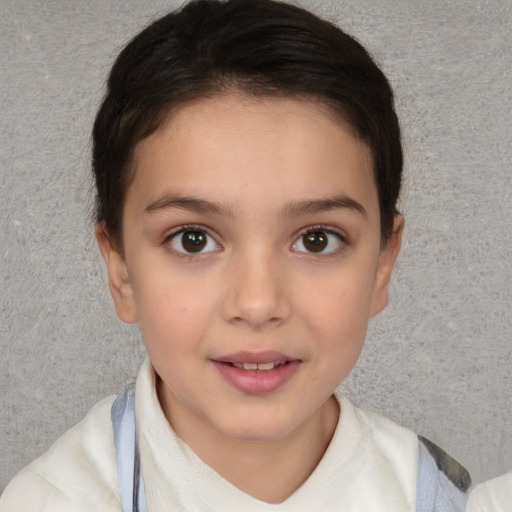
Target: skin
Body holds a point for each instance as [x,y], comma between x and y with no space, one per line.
[254,175]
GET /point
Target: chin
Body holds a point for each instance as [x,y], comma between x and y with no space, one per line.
[257,429]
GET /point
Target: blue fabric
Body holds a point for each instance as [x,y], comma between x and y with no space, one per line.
[131,484]
[435,492]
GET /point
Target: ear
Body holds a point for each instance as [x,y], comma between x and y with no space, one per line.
[119,282]
[387,260]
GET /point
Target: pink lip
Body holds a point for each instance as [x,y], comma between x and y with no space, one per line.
[257,382]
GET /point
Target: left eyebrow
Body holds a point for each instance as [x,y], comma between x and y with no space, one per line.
[192,204]
[309,206]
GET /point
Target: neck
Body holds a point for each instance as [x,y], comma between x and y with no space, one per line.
[266,470]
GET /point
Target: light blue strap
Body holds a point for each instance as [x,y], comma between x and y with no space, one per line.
[131,484]
[435,492]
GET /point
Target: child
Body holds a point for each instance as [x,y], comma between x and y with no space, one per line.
[248,162]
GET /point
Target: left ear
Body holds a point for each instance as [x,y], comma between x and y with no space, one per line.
[387,260]
[119,281]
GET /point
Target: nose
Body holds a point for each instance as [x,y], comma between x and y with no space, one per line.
[256,294]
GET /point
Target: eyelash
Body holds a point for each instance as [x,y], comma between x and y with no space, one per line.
[184,229]
[342,240]
[318,229]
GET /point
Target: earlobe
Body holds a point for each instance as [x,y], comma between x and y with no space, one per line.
[119,281]
[387,260]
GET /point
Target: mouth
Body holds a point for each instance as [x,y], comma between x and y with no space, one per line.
[264,367]
[250,361]
[257,373]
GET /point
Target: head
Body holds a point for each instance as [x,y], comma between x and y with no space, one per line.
[247,159]
[260,48]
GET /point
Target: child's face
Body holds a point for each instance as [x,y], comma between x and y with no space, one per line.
[251,235]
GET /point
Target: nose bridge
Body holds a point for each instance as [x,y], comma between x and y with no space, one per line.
[257,294]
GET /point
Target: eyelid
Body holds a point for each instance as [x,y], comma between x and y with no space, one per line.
[342,237]
[170,236]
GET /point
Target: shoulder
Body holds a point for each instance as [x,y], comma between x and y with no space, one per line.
[432,478]
[78,473]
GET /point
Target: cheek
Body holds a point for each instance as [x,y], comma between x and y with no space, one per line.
[336,312]
[173,311]
[340,300]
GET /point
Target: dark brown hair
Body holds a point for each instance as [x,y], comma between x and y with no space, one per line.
[259,47]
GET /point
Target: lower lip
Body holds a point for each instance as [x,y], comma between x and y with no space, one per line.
[257,382]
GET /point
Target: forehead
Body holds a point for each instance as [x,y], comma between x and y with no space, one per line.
[278,149]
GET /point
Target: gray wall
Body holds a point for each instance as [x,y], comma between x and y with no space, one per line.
[438,360]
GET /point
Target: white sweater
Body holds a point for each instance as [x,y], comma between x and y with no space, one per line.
[492,496]
[370,465]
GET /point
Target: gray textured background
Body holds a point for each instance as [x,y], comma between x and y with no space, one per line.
[439,360]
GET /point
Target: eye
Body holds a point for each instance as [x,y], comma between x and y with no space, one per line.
[192,241]
[318,241]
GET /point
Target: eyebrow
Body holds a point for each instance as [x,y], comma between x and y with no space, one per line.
[293,209]
[309,206]
[193,204]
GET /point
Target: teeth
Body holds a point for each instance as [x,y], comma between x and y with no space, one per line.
[266,366]
[256,366]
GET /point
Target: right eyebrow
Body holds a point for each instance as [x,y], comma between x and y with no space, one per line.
[193,204]
[310,206]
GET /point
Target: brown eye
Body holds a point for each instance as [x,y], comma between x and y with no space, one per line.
[318,241]
[315,242]
[193,241]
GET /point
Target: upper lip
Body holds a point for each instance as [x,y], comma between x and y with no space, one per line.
[255,357]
